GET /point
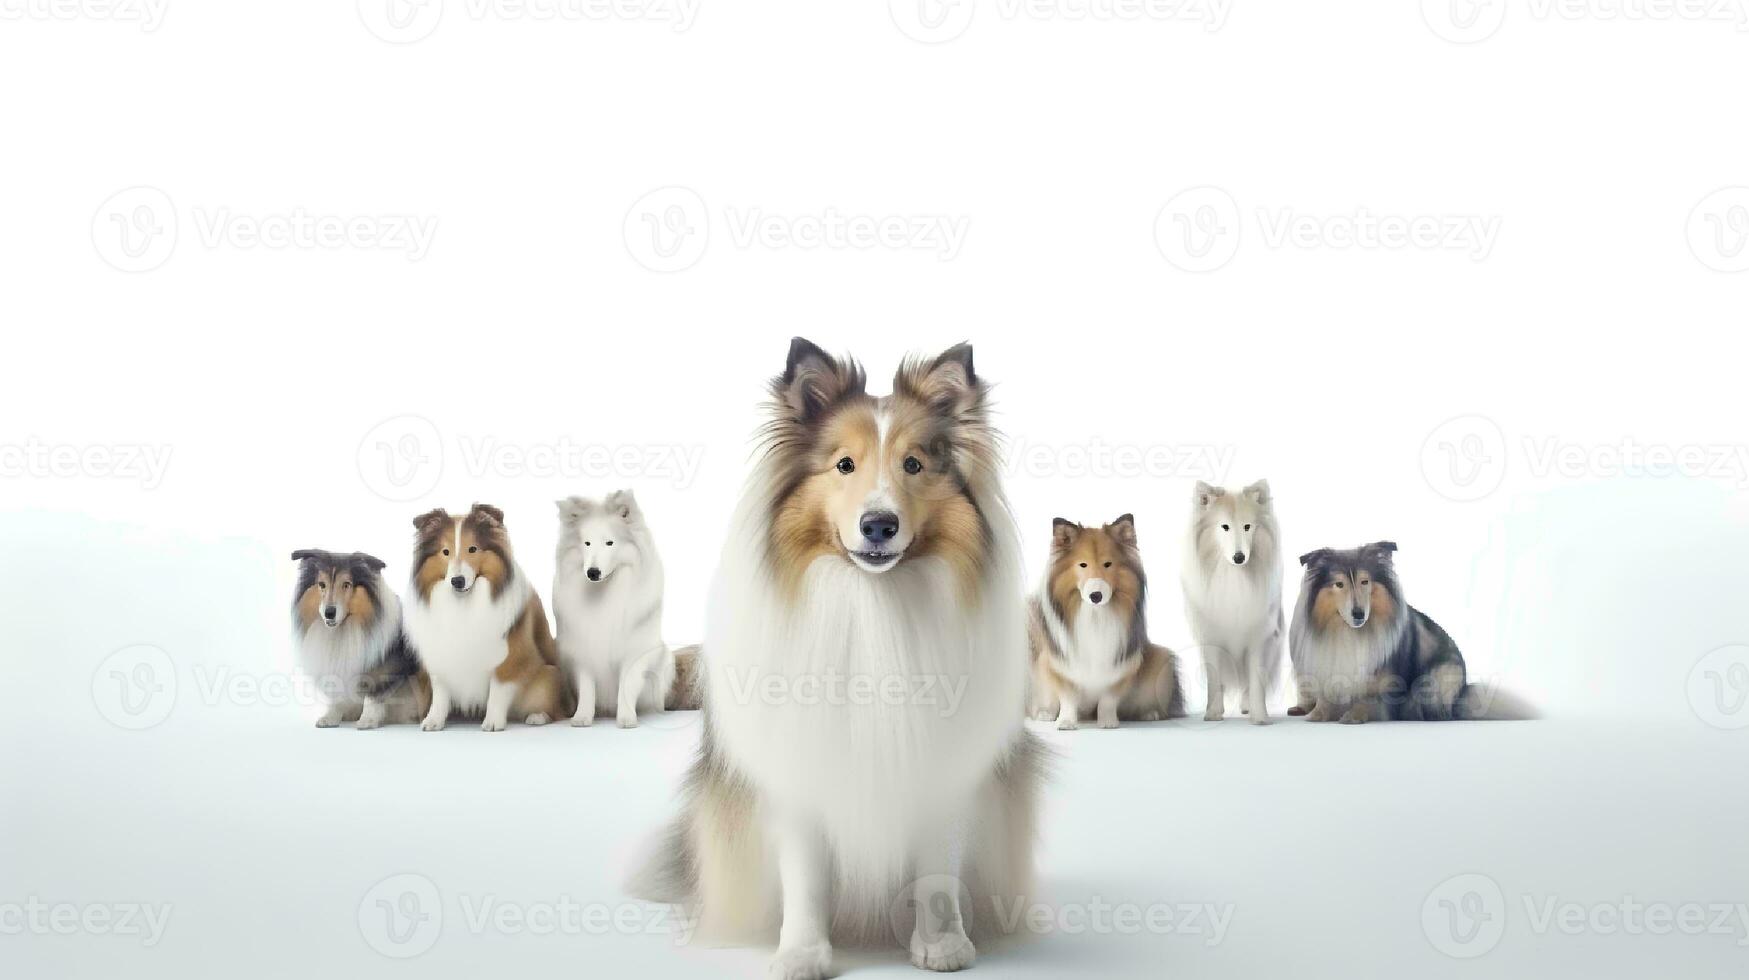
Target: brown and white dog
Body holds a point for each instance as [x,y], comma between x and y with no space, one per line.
[864,757]
[1089,635]
[478,625]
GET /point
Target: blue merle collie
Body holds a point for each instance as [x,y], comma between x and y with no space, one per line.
[346,626]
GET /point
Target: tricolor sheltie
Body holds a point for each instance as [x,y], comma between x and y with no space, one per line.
[607,600]
[478,625]
[1089,634]
[1362,653]
[346,629]
[864,770]
[1231,573]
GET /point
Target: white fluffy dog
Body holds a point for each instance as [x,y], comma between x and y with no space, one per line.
[1232,594]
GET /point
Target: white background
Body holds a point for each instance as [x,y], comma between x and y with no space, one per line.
[1487,405]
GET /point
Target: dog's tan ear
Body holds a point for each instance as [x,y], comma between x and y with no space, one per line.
[814,381]
[1124,528]
[430,519]
[487,513]
[947,382]
[1204,494]
[1259,493]
[1064,532]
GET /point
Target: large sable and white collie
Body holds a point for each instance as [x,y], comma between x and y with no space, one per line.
[1089,632]
[478,625]
[607,599]
[1231,575]
[346,627]
[865,770]
[1362,653]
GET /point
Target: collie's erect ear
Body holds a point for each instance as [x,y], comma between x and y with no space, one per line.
[371,562]
[430,519]
[309,554]
[1204,494]
[1313,558]
[1259,493]
[623,504]
[1064,532]
[573,508]
[487,514]
[814,381]
[1124,528]
[947,383]
[1380,550]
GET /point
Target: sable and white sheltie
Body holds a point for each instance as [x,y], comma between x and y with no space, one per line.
[1089,633]
[1231,575]
[607,599]
[478,625]
[871,566]
[1362,653]
[346,630]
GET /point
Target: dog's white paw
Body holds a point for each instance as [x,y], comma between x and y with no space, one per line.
[1150,716]
[583,719]
[1262,720]
[432,725]
[491,725]
[945,955]
[1108,723]
[538,718]
[327,722]
[1213,715]
[810,962]
[366,722]
[1065,725]
[628,720]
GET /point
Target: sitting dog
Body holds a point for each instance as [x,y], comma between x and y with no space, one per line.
[1232,594]
[346,632]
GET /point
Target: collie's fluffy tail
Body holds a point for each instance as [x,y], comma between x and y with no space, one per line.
[1490,702]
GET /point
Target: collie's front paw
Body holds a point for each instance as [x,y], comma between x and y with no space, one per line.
[492,725]
[1320,713]
[538,718]
[1150,716]
[1067,724]
[945,955]
[432,725]
[583,718]
[628,719]
[1214,714]
[810,962]
[370,720]
[1262,720]
[1108,723]
[1356,716]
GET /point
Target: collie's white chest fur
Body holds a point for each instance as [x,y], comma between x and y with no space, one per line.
[873,700]
[335,657]
[1342,660]
[1091,644]
[461,636]
[1233,607]
[603,625]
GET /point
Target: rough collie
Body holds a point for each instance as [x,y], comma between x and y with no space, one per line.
[841,794]
[607,600]
[1231,573]
[1362,653]
[346,631]
[1089,634]
[478,625]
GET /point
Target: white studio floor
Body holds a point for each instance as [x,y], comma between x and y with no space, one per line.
[1173,849]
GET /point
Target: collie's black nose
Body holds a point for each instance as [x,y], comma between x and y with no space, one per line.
[594,574]
[1238,558]
[1096,597]
[328,612]
[880,527]
[458,582]
[1360,620]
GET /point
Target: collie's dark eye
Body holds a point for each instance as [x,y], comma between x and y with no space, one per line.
[446,552]
[913,465]
[1083,564]
[1108,564]
[322,585]
[346,585]
[1226,527]
[1247,527]
[610,544]
[473,548]
[585,544]
[846,466]
[1338,585]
